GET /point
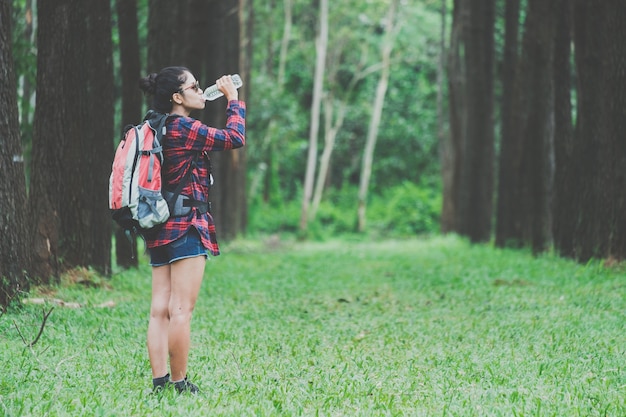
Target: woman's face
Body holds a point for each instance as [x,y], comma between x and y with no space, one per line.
[191,94]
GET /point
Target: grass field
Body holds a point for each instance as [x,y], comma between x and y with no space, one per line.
[431,327]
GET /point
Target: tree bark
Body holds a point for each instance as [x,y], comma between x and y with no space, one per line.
[321,46]
[614,90]
[72,147]
[51,135]
[330,135]
[377,111]
[86,220]
[269,167]
[508,222]
[588,134]
[532,134]
[452,144]
[599,149]
[565,180]
[442,133]
[164,27]
[130,72]
[15,248]
[476,186]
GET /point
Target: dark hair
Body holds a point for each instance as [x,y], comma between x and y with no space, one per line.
[161,86]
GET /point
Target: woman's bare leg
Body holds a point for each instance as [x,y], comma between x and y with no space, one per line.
[159,320]
[186,279]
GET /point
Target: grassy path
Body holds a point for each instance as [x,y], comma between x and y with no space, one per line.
[430,327]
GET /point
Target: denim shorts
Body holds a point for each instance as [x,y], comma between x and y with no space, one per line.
[187,246]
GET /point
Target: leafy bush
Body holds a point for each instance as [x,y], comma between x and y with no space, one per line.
[265,218]
[405,210]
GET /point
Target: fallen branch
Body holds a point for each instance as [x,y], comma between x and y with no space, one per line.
[43,324]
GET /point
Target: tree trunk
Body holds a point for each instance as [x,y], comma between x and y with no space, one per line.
[538,126]
[508,222]
[15,248]
[228,195]
[476,187]
[442,134]
[86,221]
[599,144]
[321,46]
[377,111]
[73,147]
[614,90]
[589,132]
[130,72]
[330,135]
[195,37]
[565,180]
[269,167]
[164,28]
[452,144]
[51,134]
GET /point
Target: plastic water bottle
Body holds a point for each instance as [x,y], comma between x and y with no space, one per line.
[211,93]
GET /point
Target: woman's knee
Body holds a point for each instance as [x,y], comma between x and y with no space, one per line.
[181,312]
[159,311]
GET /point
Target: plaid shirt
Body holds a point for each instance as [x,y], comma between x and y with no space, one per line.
[185,139]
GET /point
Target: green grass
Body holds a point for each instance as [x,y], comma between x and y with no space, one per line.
[431,327]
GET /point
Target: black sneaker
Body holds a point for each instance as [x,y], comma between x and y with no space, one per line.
[186,386]
[158,384]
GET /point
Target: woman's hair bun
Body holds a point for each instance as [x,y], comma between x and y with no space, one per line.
[148,84]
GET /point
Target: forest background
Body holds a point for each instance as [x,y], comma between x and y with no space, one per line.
[492,119]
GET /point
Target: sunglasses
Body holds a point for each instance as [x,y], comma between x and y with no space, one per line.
[195,86]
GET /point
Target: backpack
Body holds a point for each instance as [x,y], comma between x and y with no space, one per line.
[136,199]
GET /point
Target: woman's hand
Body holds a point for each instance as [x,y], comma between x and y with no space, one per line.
[225,85]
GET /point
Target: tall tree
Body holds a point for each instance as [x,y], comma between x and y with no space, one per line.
[86,224]
[347,65]
[537,126]
[321,48]
[527,159]
[15,242]
[222,56]
[268,168]
[453,143]
[600,153]
[476,182]
[130,67]
[51,133]
[164,33]
[391,29]
[615,124]
[72,148]
[442,130]
[565,178]
[508,221]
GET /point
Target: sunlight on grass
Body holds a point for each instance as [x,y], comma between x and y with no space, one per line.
[406,327]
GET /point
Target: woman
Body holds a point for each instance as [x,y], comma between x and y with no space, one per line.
[178,252]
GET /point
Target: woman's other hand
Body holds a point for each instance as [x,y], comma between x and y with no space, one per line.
[225,85]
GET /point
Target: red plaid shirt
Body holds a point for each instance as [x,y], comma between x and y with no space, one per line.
[185,139]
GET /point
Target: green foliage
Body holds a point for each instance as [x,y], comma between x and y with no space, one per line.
[407,143]
[25,68]
[403,210]
[413,327]
[267,218]
[406,210]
